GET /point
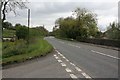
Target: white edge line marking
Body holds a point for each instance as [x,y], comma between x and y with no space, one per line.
[57,51]
[78,69]
[63,57]
[63,64]
[68,70]
[72,64]
[86,76]
[54,47]
[67,60]
[105,54]
[73,76]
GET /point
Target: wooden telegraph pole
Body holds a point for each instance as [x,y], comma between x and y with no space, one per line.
[28,24]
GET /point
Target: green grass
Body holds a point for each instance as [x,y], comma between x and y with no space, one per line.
[39,48]
[14,48]
[8,33]
[19,51]
[0,52]
[0,45]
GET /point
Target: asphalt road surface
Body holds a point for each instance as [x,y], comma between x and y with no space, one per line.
[69,60]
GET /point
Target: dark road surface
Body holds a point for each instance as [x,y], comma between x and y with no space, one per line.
[70,60]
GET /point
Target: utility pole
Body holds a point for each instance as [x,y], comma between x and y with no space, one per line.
[28,24]
[1,21]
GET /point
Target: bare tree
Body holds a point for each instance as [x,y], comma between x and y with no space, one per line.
[11,5]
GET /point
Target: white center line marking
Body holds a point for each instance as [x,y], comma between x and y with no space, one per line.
[59,60]
[76,46]
[78,69]
[73,76]
[105,54]
[68,70]
[63,64]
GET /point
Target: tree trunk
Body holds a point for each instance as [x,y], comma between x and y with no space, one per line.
[0,21]
[3,11]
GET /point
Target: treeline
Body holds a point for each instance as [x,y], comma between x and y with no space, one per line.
[83,25]
[28,43]
[23,32]
[113,31]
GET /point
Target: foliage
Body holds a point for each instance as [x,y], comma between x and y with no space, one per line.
[0,51]
[14,48]
[11,5]
[22,32]
[8,33]
[38,31]
[84,25]
[7,25]
[20,51]
[36,49]
[113,31]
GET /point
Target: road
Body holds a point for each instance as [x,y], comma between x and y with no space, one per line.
[69,60]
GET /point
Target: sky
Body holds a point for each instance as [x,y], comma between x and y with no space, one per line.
[45,12]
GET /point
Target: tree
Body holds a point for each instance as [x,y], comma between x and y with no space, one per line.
[17,25]
[84,25]
[7,25]
[0,21]
[11,5]
[22,32]
[86,20]
[113,31]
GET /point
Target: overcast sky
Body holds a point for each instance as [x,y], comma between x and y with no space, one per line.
[45,12]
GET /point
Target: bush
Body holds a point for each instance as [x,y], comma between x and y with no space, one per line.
[39,48]
[11,48]
[22,32]
[106,42]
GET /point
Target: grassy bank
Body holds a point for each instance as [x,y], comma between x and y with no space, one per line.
[0,52]
[39,48]
[20,50]
[8,33]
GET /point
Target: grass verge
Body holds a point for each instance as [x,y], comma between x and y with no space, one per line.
[0,52]
[8,33]
[39,47]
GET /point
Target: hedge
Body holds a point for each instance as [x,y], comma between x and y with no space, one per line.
[106,42]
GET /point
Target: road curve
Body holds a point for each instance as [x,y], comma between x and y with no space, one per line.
[95,61]
[69,60]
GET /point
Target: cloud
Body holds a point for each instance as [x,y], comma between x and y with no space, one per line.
[46,12]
